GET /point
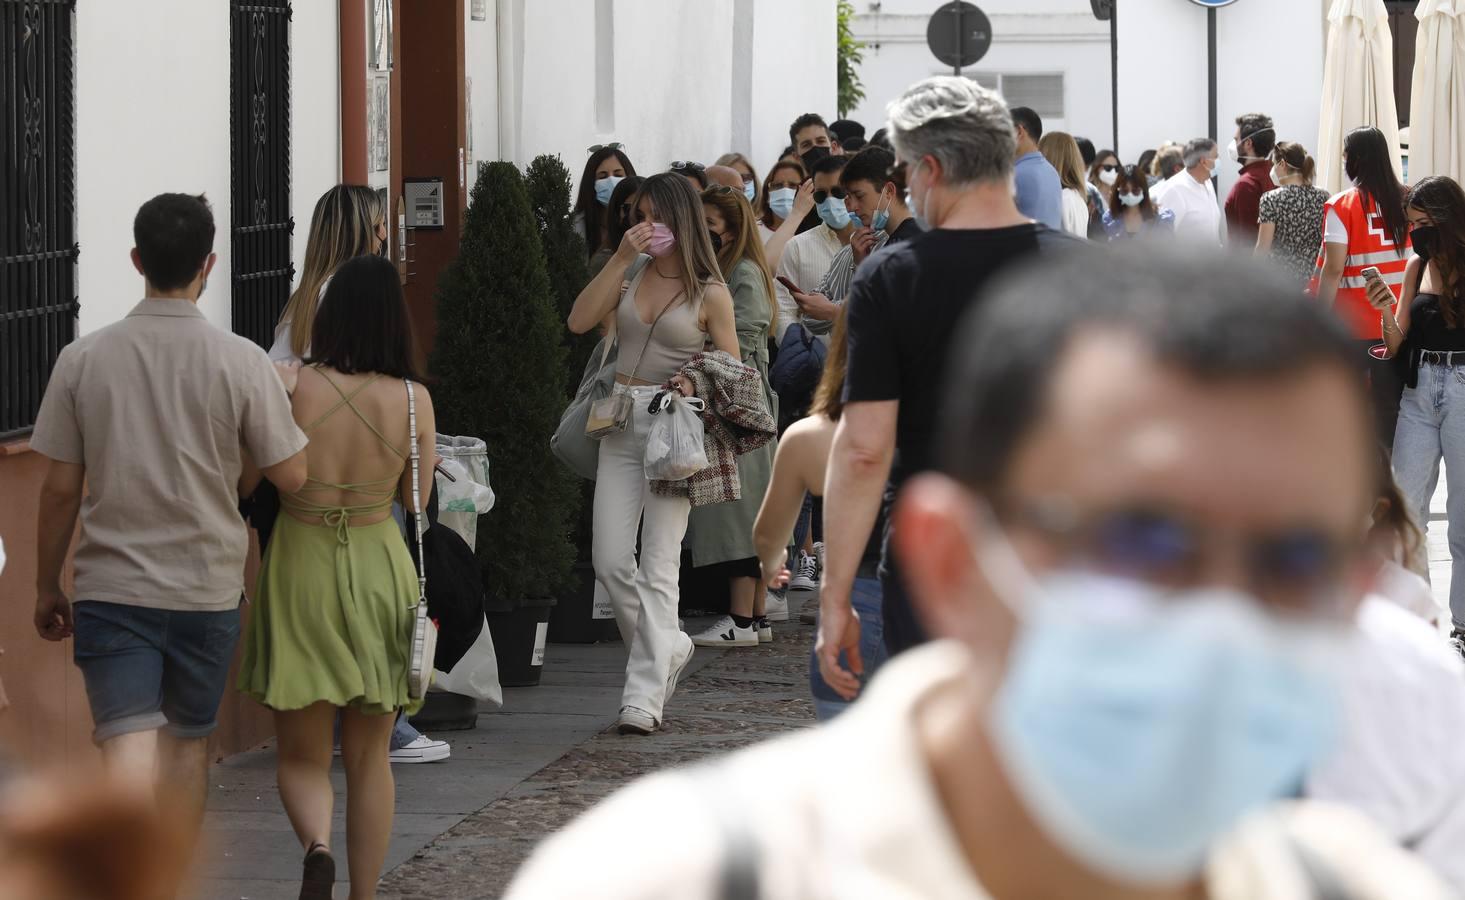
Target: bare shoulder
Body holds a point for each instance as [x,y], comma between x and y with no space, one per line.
[809,433]
[717,293]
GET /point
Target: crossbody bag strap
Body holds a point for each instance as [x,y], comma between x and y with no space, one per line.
[416,491]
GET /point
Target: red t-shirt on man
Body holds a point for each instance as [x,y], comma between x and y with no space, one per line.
[1243,204]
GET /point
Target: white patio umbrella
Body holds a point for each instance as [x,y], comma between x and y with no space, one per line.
[1358,85]
[1437,107]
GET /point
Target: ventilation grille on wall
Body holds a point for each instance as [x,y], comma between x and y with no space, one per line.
[1041,93]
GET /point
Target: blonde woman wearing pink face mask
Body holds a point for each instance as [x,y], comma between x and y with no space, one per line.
[663,297]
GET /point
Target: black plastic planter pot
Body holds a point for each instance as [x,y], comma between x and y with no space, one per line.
[573,619]
[444,711]
[519,637]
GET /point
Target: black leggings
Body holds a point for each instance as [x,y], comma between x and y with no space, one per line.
[1385,386]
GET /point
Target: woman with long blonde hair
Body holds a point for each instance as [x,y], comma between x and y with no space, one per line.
[663,310]
[349,221]
[1061,151]
[722,534]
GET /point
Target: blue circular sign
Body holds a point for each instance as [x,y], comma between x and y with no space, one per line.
[1213,4]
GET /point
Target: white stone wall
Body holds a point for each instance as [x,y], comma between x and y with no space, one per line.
[152,115]
[1269,58]
[1028,37]
[691,80]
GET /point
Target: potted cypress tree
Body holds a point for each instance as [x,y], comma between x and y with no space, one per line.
[499,360]
[573,619]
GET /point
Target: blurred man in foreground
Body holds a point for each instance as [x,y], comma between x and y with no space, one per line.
[1139,558]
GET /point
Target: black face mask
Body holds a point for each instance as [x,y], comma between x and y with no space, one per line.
[1425,239]
[716,241]
[812,156]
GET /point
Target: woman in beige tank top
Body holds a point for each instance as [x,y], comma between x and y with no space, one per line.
[675,305]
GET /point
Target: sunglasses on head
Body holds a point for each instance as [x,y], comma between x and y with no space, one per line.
[616,145]
[837,193]
[684,165]
[719,189]
[1292,570]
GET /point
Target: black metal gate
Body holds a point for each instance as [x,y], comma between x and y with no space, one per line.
[38,251]
[259,109]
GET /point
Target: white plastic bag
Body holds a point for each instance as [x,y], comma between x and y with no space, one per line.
[463,491]
[674,448]
[476,675]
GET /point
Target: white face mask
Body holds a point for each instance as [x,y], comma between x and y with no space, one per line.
[1278,173]
[1109,176]
[1131,199]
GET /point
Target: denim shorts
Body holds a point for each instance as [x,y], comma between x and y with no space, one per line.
[147,669]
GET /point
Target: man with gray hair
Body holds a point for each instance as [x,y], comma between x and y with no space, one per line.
[957,142]
[1191,195]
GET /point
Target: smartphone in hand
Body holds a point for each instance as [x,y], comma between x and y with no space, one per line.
[784,280]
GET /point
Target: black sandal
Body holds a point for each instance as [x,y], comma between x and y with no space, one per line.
[319,875]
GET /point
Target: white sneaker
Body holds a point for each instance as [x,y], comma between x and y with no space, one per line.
[775,608]
[806,574]
[635,721]
[679,667]
[422,750]
[726,633]
[765,631]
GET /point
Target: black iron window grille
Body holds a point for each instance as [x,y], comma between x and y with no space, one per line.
[259,108]
[38,250]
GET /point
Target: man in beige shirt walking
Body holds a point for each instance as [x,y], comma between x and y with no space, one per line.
[147,423]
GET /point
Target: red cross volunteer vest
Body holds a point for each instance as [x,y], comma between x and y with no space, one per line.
[1369,244]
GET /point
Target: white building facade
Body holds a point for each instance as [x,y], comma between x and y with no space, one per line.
[1054,56]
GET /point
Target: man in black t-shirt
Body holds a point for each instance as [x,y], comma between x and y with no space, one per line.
[957,142]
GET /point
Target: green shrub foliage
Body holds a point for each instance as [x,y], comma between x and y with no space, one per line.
[500,362]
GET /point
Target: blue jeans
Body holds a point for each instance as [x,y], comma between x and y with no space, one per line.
[402,732]
[147,669]
[867,603]
[1431,427]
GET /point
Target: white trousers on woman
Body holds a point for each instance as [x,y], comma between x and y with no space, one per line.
[644,597]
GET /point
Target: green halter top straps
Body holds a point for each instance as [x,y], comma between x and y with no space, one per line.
[384,490]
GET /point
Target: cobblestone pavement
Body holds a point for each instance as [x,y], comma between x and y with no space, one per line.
[739,698]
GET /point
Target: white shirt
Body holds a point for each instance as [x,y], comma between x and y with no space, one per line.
[1197,212]
[1075,212]
[1402,756]
[863,821]
[805,260]
[280,350]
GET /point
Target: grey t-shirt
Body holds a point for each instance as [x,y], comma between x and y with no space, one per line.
[159,408]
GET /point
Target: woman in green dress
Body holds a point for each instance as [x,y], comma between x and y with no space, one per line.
[331,622]
[722,534]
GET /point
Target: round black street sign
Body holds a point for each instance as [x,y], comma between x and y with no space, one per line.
[962,44]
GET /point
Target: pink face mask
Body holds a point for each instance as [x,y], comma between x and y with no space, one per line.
[662,240]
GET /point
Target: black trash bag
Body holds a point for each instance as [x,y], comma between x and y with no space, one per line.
[454,588]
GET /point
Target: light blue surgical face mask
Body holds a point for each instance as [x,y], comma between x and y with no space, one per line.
[604,187]
[1138,726]
[834,213]
[917,213]
[881,217]
[749,191]
[781,201]
[856,221]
